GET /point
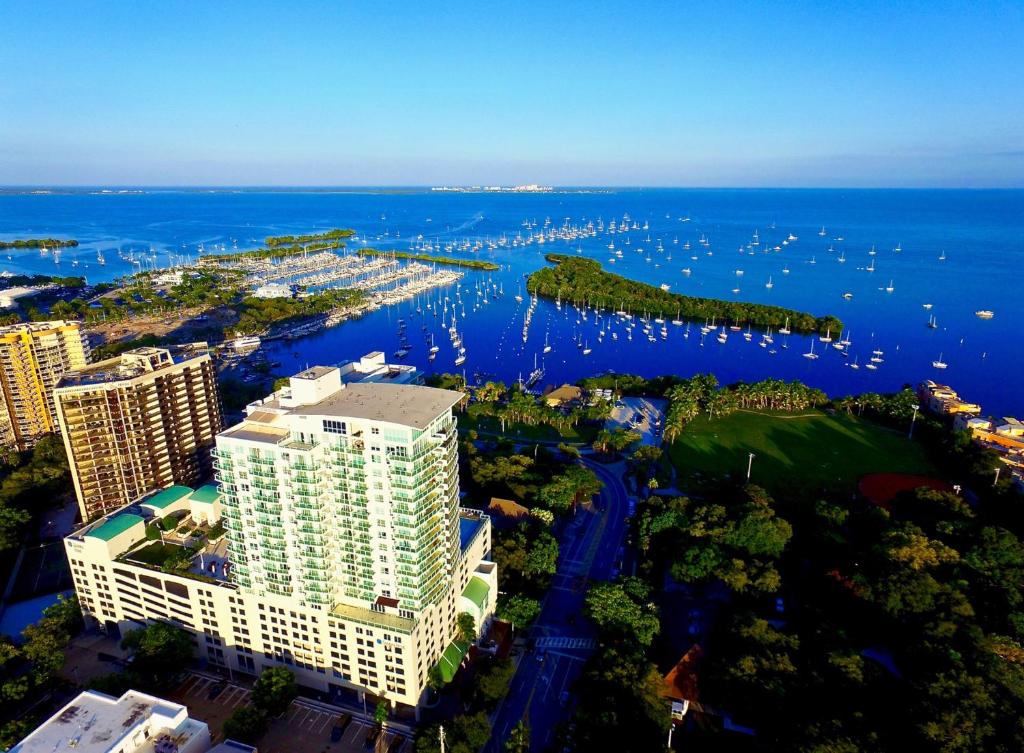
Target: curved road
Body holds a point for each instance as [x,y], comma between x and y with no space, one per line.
[587,551]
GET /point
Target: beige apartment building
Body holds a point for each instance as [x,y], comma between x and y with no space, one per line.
[33,358]
[138,423]
[333,545]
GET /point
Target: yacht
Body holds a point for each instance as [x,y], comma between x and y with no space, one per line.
[811,355]
[984,314]
[938,363]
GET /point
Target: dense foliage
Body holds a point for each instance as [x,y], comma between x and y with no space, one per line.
[36,480]
[446,260]
[290,240]
[28,671]
[583,280]
[39,243]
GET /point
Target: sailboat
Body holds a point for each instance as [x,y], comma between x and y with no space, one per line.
[938,363]
[932,322]
[769,284]
[811,354]
[547,346]
[784,330]
[586,348]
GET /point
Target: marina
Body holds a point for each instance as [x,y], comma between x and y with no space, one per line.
[686,241]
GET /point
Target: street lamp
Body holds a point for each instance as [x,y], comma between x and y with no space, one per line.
[750,465]
[915,408]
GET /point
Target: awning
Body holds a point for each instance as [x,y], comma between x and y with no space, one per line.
[451,659]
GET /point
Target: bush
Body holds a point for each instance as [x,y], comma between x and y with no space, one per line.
[169,523]
[245,725]
[152,532]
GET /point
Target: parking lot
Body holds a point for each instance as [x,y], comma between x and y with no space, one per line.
[306,728]
[639,414]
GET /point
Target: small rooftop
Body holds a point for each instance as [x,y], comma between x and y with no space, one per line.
[469,526]
[166,497]
[373,368]
[98,723]
[114,526]
[206,494]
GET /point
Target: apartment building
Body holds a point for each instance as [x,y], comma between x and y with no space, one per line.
[345,555]
[139,422]
[33,358]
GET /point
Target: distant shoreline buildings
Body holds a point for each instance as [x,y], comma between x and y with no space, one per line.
[528,188]
[1003,435]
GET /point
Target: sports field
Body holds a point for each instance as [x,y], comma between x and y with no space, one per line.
[806,451]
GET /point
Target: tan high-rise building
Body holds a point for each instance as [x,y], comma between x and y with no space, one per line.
[138,423]
[33,358]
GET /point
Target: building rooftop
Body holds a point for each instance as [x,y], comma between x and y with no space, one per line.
[206,494]
[469,526]
[313,372]
[167,497]
[476,591]
[97,723]
[402,404]
[9,329]
[114,526]
[373,368]
[131,364]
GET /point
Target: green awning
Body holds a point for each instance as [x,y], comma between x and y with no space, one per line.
[451,659]
[477,591]
[115,526]
[166,497]
[207,494]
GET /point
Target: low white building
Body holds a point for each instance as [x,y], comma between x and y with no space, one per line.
[273,290]
[134,723]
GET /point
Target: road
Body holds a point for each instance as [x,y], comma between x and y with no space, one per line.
[588,550]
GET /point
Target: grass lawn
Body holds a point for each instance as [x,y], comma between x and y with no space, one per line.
[474,417]
[153,554]
[794,452]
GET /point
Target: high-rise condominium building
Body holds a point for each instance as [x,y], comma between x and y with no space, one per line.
[137,423]
[346,556]
[33,358]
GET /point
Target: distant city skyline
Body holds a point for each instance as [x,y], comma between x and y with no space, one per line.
[573,94]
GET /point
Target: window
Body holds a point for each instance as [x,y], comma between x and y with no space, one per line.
[375,430]
[335,427]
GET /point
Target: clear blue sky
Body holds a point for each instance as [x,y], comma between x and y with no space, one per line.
[631,93]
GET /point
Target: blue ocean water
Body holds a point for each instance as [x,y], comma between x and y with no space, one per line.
[960,251]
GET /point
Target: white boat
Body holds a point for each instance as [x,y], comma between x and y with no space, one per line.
[889,288]
[984,314]
[246,342]
[811,354]
[586,349]
[938,363]
[827,337]
[784,329]
[769,284]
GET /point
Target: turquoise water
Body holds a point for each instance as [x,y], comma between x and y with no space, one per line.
[980,232]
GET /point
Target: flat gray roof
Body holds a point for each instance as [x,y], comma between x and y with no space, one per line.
[408,405]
